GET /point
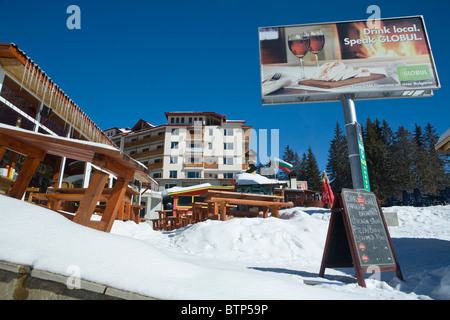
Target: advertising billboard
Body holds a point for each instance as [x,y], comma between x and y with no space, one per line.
[321,62]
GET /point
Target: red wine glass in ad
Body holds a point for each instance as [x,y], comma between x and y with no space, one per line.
[316,43]
[299,46]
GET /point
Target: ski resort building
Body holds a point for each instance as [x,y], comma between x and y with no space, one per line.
[190,149]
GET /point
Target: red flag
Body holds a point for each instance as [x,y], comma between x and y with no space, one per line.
[327,193]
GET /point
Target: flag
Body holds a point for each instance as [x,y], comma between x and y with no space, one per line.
[283,165]
[327,193]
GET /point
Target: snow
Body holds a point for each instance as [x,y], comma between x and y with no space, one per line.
[245,178]
[183,189]
[247,258]
[55,137]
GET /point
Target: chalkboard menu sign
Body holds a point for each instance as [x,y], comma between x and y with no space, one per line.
[369,232]
[358,236]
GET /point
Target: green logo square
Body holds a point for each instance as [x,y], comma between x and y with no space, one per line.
[414,73]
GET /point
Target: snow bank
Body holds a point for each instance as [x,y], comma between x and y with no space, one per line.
[256,240]
[247,258]
[422,222]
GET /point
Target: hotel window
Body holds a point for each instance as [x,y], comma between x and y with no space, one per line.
[210,132]
[173,159]
[227,132]
[228,175]
[172,174]
[158,160]
[228,160]
[175,132]
[174,145]
[193,174]
[190,119]
[172,120]
[228,146]
[210,145]
[157,175]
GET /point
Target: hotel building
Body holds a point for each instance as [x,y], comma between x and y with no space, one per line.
[191,148]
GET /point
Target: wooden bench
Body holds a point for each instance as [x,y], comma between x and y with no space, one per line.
[220,199]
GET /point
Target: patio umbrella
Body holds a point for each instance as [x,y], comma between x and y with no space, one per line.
[327,193]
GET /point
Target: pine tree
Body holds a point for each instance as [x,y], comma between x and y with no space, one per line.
[313,175]
[377,155]
[289,157]
[301,175]
[403,177]
[387,136]
[420,161]
[338,165]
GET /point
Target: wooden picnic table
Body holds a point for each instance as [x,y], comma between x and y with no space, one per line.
[241,195]
[220,200]
[172,219]
[202,211]
[57,199]
[35,146]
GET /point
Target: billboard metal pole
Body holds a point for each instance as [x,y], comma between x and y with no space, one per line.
[356,154]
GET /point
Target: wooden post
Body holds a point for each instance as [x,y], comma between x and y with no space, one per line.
[216,209]
[91,197]
[127,209]
[274,210]
[23,179]
[266,212]
[223,211]
[115,200]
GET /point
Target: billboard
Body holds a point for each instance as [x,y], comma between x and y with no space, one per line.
[321,62]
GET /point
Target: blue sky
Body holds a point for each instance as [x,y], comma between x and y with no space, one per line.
[137,59]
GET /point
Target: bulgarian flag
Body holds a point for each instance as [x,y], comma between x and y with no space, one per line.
[283,165]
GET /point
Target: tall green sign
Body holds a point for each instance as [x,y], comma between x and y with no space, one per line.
[362,158]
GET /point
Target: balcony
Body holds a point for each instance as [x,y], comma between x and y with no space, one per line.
[211,163]
[148,153]
[155,166]
[194,136]
[193,164]
[144,141]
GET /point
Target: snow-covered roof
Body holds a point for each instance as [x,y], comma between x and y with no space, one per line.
[190,188]
[254,178]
